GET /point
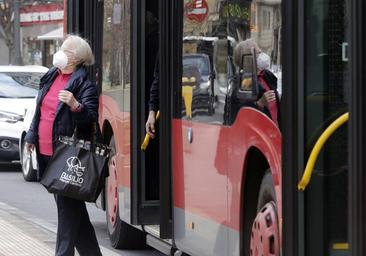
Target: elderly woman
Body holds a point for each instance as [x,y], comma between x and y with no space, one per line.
[66,99]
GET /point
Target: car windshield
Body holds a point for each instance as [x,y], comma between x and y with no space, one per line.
[19,84]
[200,62]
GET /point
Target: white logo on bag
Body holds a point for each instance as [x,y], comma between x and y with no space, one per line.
[75,172]
[74,165]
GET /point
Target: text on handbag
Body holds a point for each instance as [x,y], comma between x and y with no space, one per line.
[74,173]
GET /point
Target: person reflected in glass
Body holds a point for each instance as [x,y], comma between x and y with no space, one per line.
[268,98]
[66,100]
[268,82]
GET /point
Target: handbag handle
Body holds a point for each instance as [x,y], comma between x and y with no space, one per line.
[95,144]
[96,135]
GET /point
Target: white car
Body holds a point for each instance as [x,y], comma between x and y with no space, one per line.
[18,89]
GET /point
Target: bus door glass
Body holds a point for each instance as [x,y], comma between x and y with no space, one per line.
[151,180]
[326,88]
[145,163]
[115,100]
[221,41]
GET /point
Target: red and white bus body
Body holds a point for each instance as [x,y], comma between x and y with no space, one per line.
[208,179]
[208,175]
[214,177]
[110,112]
[216,169]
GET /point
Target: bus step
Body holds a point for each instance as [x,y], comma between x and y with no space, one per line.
[159,245]
[152,230]
[339,249]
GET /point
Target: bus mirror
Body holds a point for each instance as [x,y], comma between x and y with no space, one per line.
[248,82]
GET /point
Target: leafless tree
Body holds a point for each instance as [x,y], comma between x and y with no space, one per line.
[6,24]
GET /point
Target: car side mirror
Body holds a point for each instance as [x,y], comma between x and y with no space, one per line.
[248,81]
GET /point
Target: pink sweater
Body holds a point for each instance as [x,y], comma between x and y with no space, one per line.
[48,110]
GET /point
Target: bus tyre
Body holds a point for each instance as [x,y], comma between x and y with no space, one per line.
[121,235]
[265,229]
[29,173]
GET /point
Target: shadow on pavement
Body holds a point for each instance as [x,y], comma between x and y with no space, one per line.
[10,167]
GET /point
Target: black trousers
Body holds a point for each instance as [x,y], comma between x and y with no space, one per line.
[74,228]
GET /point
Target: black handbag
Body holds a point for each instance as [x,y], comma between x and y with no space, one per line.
[77,168]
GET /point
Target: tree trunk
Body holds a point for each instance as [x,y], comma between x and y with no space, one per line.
[9,52]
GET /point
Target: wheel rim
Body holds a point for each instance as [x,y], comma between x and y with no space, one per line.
[112,192]
[265,236]
[26,160]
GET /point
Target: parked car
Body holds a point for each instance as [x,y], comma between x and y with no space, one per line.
[203,94]
[18,89]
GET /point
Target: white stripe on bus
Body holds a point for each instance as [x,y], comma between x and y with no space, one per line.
[207,238]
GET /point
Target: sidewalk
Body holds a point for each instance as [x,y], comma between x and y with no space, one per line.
[24,235]
[20,237]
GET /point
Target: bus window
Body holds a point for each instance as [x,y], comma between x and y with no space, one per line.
[116,50]
[255,25]
[326,86]
[204,64]
[213,46]
[151,62]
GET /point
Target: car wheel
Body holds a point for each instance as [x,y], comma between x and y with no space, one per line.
[211,106]
[265,229]
[121,235]
[29,173]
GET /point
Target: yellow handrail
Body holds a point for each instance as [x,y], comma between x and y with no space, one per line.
[318,147]
[147,136]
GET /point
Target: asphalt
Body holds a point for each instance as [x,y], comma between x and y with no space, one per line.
[28,220]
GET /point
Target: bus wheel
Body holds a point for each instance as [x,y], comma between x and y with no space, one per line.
[265,229]
[121,235]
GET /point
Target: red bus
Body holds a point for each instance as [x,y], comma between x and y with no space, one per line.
[221,176]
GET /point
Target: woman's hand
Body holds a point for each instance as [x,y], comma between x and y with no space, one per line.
[68,98]
[267,97]
[150,124]
[30,147]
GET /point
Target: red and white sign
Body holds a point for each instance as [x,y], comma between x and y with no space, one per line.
[41,14]
[197,10]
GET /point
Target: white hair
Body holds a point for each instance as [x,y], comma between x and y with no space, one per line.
[244,47]
[263,61]
[81,49]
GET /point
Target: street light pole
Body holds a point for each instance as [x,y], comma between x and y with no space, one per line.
[17,57]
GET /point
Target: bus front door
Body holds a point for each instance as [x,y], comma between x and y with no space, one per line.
[323,86]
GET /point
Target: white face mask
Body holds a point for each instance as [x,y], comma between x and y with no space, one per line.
[263,61]
[60,60]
